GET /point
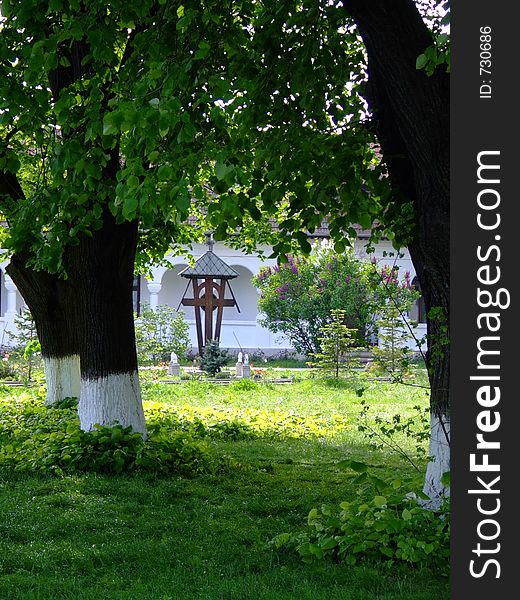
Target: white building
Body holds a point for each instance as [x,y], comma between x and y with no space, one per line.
[239,329]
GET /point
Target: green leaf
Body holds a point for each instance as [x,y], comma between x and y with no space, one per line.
[421,61]
[359,467]
[221,170]
[406,514]
[164,173]
[109,128]
[379,501]
[132,182]
[328,543]
[203,51]
[182,202]
[130,206]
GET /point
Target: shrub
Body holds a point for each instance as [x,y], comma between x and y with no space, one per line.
[338,345]
[244,385]
[7,369]
[394,529]
[390,526]
[25,355]
[159,332]
[298,295]
[36,438]
[213,358]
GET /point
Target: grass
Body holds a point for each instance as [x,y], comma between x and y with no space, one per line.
[83,537]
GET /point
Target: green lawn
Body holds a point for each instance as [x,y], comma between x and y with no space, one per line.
[88,536]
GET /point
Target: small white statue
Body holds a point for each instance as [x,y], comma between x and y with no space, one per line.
[246,358]
[239,357]
[174,368]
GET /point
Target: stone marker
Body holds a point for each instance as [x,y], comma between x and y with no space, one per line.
[239,366]
[174,368]
[246,370]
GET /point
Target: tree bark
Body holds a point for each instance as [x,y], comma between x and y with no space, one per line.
[100,269]
[49,299]
[411,112]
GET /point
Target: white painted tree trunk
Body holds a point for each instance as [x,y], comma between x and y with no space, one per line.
[440,460]
[62,377]
[112,400]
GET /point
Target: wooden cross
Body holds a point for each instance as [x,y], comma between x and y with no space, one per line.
[208,296]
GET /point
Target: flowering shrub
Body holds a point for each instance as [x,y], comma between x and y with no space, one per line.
[298,295]
[7,370]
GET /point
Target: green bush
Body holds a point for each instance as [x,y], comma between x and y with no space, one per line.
[298,295]
[36,438]
[213,358]
[244,385]
[393,527]
[7,370]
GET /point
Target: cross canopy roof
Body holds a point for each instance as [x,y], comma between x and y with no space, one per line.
[209,265]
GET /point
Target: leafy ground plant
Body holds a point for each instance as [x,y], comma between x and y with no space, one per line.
[36,438]
[390,526]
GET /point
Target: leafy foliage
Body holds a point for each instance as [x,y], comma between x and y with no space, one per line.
[7,369]
[438,54]
[26,350]
[160,331]
[395,330]
[394,529]
[298,295]
[144,110]
[232,423]
[338,346]
[384,431]
[390,526]
[36,438]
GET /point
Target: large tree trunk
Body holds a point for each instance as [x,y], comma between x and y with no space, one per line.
[411,112]
[100,269]
[49,299]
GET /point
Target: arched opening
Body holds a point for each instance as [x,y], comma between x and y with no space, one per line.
[172,287]
[246,296]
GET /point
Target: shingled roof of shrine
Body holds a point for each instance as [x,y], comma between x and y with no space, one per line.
[209,265]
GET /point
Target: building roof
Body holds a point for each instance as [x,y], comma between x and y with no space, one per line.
[209,265]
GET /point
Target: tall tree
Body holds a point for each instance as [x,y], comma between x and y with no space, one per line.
[50,300]
[411,110]
[112,106]
[266,103]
